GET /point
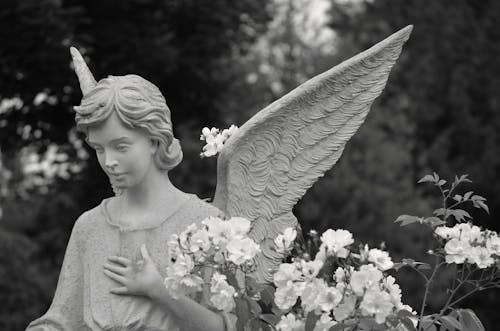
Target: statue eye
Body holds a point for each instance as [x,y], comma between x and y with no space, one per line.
[122,148]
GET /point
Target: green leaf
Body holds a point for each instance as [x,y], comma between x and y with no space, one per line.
[267,294]
[468,195]
[398,265]
[404,313]
[440,211]
[338,327]
[423,266]
[462,178]
[470,321]
[480,204]
[441,182]
[368,323]
[408,324]
[478,198]
[270,318]
[434,221]
[408,219]
[426,179]
[410,262]
[428,323]
[254,306]
[311,320]
[459,214]
[242,312]
[450,322]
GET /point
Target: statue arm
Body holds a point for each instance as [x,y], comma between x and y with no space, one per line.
[192,314]
[66,311]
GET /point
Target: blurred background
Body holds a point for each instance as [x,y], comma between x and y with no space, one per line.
[217,63]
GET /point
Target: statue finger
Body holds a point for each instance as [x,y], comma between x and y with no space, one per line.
[114,268]
[120,291]
[120,260]
[115,277]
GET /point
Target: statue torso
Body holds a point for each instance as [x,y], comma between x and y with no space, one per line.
[97,236]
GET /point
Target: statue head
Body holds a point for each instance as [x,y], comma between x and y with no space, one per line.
[138,104]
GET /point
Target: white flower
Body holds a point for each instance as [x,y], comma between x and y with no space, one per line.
[173,286]
[310,298]
[222,296]
[310,269]
[284,241]
[480,256]
[367,277]
[446,232]
[191,283]
[376,303]
[394,291]
[289,323]
[321,254]
[238,227]
[345,308]
[218,230]
[185,235]
[173,246]
[200,241]
[380,258]
[227,133]
[286,272]
[468,232]
[223,301]
[324,323]
[336,241]
[217,279]
[285,297]
[182,266]
[299,287]
[340,275]
[242,250]
[456,251]
[493,244]
[184,285]
[215,140]
[329,298]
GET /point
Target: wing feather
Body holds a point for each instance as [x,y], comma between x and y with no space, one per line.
[275,157]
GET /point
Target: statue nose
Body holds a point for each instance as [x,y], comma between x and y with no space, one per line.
[111,164]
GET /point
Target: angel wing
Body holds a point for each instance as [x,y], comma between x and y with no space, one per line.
[277,155]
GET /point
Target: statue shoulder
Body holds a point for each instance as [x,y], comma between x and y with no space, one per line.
[204,207]
[194,210]
[88,219]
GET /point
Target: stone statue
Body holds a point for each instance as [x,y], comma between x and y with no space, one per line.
[111,278]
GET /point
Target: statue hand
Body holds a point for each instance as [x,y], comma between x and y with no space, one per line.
[135,278]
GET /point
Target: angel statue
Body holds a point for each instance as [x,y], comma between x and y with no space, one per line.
[114,265]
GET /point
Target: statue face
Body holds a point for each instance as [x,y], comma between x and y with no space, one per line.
[125,155]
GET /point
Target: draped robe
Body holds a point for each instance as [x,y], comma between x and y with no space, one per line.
[82,300]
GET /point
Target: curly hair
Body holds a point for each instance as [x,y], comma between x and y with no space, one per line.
[140,105]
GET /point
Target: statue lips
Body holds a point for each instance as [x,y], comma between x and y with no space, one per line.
[117,176]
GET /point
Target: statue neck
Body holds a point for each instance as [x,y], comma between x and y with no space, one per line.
[155,188]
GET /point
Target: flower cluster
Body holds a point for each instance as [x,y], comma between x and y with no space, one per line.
[466,242]
[357,289]
[215,139]
[217,244]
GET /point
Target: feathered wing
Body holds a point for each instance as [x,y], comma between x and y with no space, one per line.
[277,155]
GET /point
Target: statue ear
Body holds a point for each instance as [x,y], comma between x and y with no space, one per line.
[155,145]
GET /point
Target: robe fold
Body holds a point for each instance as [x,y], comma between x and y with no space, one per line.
[82,300]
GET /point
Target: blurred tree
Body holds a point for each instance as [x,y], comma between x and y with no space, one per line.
[441,107]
